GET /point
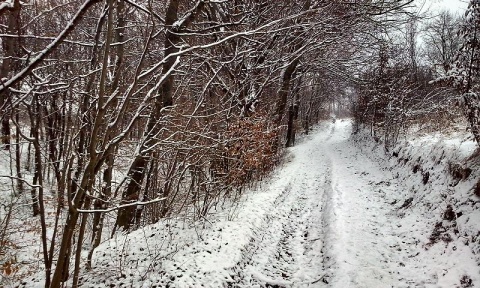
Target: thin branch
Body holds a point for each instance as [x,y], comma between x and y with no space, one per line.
[142,203]
[49,49]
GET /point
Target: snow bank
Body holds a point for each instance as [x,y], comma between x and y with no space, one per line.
[437,175]
[182,253]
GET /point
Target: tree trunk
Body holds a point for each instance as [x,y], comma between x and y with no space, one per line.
[126,216]
[39,207]
[18,165]
[284,91]
[87,144]
[100,204]
[12,50]
[290,128]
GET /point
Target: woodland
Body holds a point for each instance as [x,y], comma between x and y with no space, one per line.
[116,114]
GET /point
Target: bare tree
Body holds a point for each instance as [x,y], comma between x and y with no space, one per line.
[148,109]
[442,41]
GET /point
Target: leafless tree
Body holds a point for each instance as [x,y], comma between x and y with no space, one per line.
[147,109]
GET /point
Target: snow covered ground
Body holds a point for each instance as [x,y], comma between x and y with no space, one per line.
[337,214]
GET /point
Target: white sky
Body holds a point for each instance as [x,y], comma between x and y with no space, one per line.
[457,6]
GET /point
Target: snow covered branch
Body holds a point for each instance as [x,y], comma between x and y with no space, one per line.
[137,203]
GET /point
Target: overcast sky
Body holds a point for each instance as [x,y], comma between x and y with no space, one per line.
[458,6]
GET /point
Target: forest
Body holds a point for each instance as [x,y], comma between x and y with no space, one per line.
[118,114]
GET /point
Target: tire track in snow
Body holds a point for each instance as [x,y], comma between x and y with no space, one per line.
[361,243]
[327,230]
[287,251]
[241,278]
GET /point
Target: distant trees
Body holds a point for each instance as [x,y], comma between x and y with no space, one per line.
[442,41]
[400,90]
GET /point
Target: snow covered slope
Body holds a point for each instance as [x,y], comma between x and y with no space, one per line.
[437,176]
[334,215]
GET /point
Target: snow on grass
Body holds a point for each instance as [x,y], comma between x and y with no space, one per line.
[220,248]
[181,253]
[340,213]
[22,249]
[446,252]
[334,216]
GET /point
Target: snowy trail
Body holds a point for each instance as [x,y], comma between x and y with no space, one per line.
[289,250]
[331,227]
[331,217]
[362,238]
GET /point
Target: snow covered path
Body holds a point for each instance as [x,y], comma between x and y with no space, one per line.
[330,217]
[361,243]
[332,228]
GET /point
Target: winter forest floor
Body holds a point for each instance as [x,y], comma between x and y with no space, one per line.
[340,223]
[334,215]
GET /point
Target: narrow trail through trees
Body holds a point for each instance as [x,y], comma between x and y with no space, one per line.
[332,226]
[332,216]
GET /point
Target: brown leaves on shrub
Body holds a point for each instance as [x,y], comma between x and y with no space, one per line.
[252,151]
